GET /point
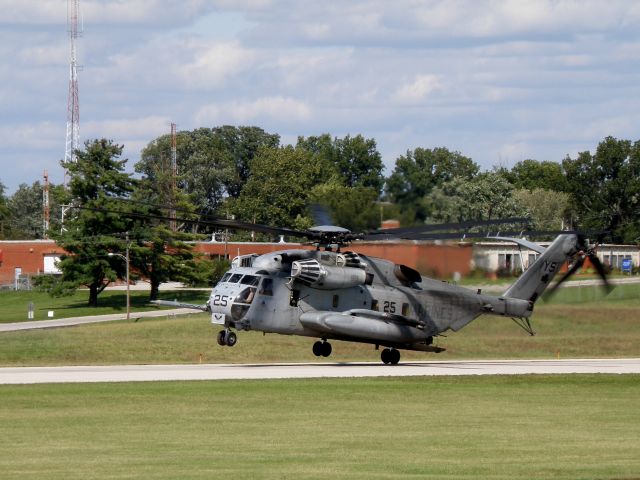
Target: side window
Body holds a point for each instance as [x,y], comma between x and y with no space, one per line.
[375,306]
[405,309]
[266,288]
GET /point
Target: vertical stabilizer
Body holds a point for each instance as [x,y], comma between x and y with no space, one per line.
[536,279]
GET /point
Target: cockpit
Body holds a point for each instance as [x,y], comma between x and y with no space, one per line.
[241,289]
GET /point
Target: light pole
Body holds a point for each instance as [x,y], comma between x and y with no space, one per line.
[126,259]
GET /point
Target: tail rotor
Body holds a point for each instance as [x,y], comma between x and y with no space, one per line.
[584,251]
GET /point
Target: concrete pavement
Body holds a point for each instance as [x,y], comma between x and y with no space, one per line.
[140,373]
[72,321]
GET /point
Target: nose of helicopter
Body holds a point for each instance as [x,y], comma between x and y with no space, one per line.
[230,302]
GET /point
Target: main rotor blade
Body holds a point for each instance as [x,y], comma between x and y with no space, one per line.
[461,236]
[221,223]
[418,229]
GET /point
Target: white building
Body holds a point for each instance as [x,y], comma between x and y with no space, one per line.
[509,257]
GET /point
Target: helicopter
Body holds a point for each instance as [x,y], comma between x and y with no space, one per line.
[330,293]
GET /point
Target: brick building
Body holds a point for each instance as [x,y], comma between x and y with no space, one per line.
[27,257]
[33,257]
[430,259]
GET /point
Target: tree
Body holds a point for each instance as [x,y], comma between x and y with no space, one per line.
[277,192]
[213,163]
[242,144]
[532,174]
[354,208]
[546,208]
[605,188]
[161,255]
[91,232]
[488,196]
[418,172]
[4,211]
[26,220]
[157,252]
[356,159]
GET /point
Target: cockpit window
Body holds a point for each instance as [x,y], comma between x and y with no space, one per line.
[225,277]
[250,280]
[246,296]
[235,278]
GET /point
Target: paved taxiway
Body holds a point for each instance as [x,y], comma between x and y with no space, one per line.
[74,321]
[139,373]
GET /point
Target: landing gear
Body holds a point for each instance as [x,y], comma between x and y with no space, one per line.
[322,348]
[227,337]
[390,356]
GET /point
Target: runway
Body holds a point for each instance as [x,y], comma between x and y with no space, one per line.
[147,373]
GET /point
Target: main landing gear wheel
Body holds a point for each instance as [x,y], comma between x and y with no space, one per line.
[390,356]
[322,348]
[227,337]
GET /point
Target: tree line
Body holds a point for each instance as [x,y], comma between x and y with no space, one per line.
[248,174]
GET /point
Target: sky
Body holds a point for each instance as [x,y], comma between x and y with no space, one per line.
[499,81]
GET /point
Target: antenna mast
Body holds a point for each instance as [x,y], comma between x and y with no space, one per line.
[73,104]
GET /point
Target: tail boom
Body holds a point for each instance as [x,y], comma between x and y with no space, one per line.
[533,282]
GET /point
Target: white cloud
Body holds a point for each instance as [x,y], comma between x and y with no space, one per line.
[212,65]
[126,128]
[44,54]
[282,110]
[417,90]
[121,12]
[38,136]
[491,78]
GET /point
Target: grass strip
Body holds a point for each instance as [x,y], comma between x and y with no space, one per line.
[524,427]
[14,306]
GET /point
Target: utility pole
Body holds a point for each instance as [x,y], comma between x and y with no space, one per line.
[174,174]
[73,103]
[127,259]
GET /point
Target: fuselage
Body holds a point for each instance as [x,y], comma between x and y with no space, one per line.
[345,296]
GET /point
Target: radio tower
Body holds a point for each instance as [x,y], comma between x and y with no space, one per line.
[73,104]
[45,206]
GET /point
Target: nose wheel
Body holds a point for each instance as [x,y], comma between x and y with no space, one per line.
[390,356]
[227,337]
[322,349]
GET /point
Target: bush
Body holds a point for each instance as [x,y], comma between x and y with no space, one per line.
[206,272]
[53,285]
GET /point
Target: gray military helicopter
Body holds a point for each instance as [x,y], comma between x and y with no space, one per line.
[335,294]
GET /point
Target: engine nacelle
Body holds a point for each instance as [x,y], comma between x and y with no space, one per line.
[325,277]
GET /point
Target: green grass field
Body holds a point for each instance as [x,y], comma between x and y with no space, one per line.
[523,427]
[500,427]
[15,305]
[576,329]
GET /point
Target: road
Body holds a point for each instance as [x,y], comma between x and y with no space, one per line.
[140,373]
[72,321]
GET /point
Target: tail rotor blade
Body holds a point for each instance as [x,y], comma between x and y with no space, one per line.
[595,261]
[574,268]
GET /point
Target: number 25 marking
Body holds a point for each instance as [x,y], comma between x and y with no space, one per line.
[389,307]
[220,300]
